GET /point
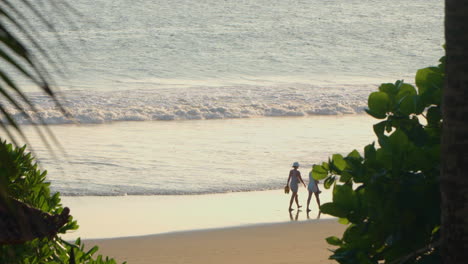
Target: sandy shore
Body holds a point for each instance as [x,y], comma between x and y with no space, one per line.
[250,227]
[294,242]
[123,216]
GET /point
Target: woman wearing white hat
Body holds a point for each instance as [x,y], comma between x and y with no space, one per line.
[293,182]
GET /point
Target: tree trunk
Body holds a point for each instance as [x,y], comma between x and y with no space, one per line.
[20,222]
[454,150]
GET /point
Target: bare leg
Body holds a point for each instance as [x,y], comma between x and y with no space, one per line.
[293,195]
[318,199]
[308,201]
[297,201]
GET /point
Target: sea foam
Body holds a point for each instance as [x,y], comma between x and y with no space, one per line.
[200,103]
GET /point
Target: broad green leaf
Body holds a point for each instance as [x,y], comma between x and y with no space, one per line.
[345,176]
[364,258]
[329,182]
[434,116]
[343,221]
[383,141]
[418,160]
[379,128]
[429,78]
[399,178]
[344,196]
[405,91]
[419,104]
[325,166]
[352,234]
[398,140]
[442,64]
[388,88]
[375,115]
[333,240]
[343,254]
[430,82]
[389,126]
[354,154]
[339,162]
[384,157]
[379,103]
[408,105]
[333,209]
[319,172]
[369,151]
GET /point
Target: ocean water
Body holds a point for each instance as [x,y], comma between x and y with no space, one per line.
[187,97]
[196,156]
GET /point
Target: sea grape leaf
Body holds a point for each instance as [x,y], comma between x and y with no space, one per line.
[430,82]
[319,172]
[369,151]
[405,90]
[339,162]
[333,209]
[364,259]
[399,177]
[429,77]
[379,128]
[342,254]
[343,221]
[333,240]
[434,116]
[384,157]
[388,88]
[344,196]
[352,234]
[375,115]
[419,104]
[328,182]
[325,166]
[418,136]
[345,176]
[379,103]
[407,105]
[398,140]
[354,154]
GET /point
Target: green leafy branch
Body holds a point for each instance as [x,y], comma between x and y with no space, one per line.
[389,197]
[26,183]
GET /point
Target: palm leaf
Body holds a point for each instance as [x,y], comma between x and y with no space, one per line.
[22,57]
[21,52]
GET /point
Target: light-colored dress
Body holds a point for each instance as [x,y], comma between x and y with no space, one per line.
[294,182]
[312,185]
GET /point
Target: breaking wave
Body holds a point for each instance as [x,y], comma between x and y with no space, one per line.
[200,103]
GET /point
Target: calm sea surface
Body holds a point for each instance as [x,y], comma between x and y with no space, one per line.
[244,88]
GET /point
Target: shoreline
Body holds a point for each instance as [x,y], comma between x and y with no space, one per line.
[217,229]
[129,216]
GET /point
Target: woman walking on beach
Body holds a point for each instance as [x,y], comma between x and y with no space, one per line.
[313,188]
[293,181]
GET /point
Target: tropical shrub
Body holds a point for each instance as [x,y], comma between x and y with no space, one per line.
[389,196]
[26,183]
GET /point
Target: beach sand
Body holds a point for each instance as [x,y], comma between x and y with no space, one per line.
[245,227]
[123,216]
[294,242]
